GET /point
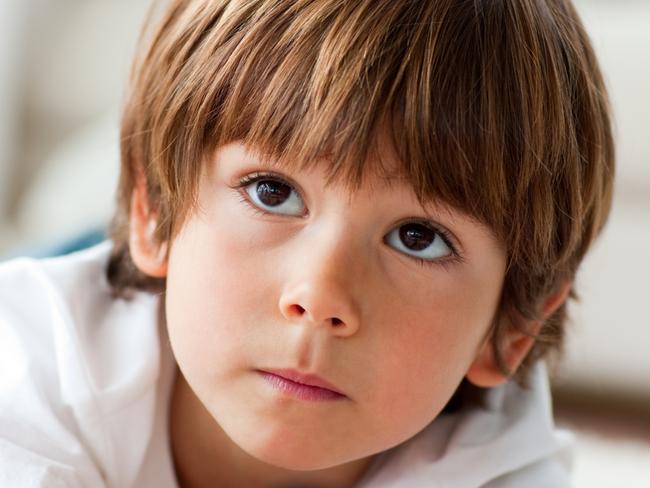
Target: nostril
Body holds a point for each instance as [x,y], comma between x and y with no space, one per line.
[298,309]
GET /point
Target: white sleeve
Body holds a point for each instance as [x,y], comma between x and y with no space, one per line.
[40,444]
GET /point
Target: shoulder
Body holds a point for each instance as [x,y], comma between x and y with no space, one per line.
[71,358]
[61,313]
[32,290]
[40,306]
[541,474]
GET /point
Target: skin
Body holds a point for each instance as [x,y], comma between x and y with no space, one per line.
[323,292]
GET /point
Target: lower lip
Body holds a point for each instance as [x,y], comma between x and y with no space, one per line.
[298,390]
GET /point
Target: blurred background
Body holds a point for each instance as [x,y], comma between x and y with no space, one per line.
[63,68]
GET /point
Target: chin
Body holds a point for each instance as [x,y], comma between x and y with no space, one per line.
[286,454]
[289,451]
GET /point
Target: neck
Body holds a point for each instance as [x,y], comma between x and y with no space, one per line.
[204,456]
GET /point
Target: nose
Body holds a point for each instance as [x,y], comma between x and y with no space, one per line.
[322,290]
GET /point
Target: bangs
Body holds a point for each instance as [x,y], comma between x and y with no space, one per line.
[472,99]
[349,82]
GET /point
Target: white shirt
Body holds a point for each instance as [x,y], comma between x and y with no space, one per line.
[85,383]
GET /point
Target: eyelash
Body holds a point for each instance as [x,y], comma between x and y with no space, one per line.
[444,234]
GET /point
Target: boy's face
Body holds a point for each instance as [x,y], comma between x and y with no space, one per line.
[263,276]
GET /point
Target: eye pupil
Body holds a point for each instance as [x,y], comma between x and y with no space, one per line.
[272,193]
[416,237]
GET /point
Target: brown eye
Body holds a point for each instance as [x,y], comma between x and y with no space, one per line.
[418,240]
[275,196]
[416,237]
[272,193]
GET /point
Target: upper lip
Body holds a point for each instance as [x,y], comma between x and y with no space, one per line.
[304,378]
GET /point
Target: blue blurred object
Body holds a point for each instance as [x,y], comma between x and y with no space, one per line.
[83,241]
[77,243]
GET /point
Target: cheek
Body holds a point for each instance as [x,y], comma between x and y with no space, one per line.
[420,370]
[214,293]
[433,340]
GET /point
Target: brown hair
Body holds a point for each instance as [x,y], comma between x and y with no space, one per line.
[497,108]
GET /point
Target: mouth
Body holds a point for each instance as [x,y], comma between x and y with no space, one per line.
[303,386]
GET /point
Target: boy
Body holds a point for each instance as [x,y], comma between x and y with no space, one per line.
[345,235]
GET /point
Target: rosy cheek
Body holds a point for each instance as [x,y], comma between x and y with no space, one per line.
[430,345]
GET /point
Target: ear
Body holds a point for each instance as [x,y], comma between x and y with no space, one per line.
[484,371]
[147,254]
